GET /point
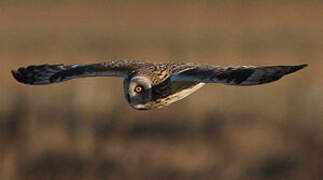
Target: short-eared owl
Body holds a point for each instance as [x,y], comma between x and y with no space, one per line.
[149,85]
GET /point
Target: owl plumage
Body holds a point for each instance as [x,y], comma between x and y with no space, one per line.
[149,85]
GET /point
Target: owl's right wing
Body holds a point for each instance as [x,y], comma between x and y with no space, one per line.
[238,75]
[48,74]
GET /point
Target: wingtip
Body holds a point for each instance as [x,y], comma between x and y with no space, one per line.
[296,68]
[17,75]
[20,76]
[302,66]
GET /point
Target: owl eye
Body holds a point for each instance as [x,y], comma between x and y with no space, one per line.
[139,89]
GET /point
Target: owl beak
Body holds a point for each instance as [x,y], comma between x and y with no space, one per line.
[139,106]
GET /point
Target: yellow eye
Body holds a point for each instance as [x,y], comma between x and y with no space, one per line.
[138,89]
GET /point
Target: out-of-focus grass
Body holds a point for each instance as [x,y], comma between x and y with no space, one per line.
[85,129]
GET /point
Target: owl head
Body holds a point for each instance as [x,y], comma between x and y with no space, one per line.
[138,92]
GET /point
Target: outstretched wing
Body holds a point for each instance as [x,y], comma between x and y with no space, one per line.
[47,74]
[241,75]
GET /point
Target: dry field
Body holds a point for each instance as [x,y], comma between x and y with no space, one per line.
[84,129]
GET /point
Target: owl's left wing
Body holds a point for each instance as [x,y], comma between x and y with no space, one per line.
[48,74]
[239,75]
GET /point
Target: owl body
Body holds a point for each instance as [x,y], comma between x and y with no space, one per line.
[160,91]
[149,85]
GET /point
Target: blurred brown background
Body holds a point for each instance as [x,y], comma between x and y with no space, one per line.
[84,129]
